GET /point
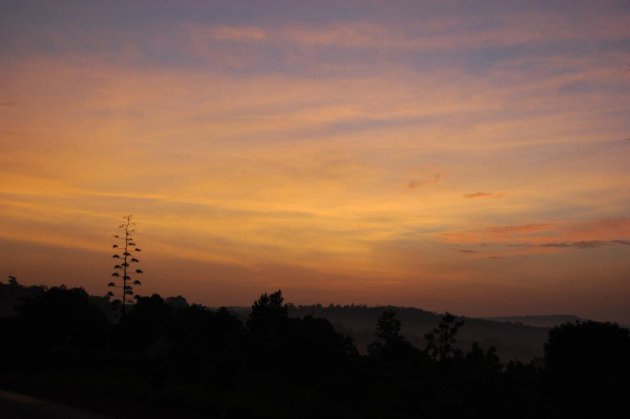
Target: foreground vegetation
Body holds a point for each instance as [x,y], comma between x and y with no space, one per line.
[167,359]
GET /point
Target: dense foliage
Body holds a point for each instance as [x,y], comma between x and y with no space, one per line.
[166,358]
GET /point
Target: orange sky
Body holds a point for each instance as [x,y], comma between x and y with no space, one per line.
[451,157]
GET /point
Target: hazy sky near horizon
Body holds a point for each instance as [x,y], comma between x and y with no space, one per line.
[451,155]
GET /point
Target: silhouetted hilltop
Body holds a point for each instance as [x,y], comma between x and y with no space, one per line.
[514,341]
[551,320]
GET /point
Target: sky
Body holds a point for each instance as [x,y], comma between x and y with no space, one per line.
[464,156]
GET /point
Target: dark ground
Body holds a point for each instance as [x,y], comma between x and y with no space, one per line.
[19,406]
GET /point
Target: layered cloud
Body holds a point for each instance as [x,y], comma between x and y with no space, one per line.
[437,32]
[401,151]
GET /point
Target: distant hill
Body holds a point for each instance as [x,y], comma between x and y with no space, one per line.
[551,320]
[514,341]
[516,338]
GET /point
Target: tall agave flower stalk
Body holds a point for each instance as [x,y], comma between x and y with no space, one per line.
[126,265]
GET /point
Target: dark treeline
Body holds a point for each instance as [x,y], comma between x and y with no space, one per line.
[513,341]
[167,358]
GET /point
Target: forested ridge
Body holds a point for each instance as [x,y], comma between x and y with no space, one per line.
[166,358]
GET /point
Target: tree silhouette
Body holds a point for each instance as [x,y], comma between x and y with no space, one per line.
[391,348]
[128,259]
[269,316]
[441,340]
[12,280]
[388,327]
[387,333]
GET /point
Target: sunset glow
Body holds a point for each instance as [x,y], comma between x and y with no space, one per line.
[463,156]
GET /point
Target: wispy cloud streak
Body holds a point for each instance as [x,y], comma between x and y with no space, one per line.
[435,156]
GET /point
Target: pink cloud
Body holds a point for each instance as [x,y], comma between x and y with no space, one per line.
[417,183]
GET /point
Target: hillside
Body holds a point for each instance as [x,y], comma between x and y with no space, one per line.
[551,320]
[519,338]
[164,358]
[516,338]
[513,341]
